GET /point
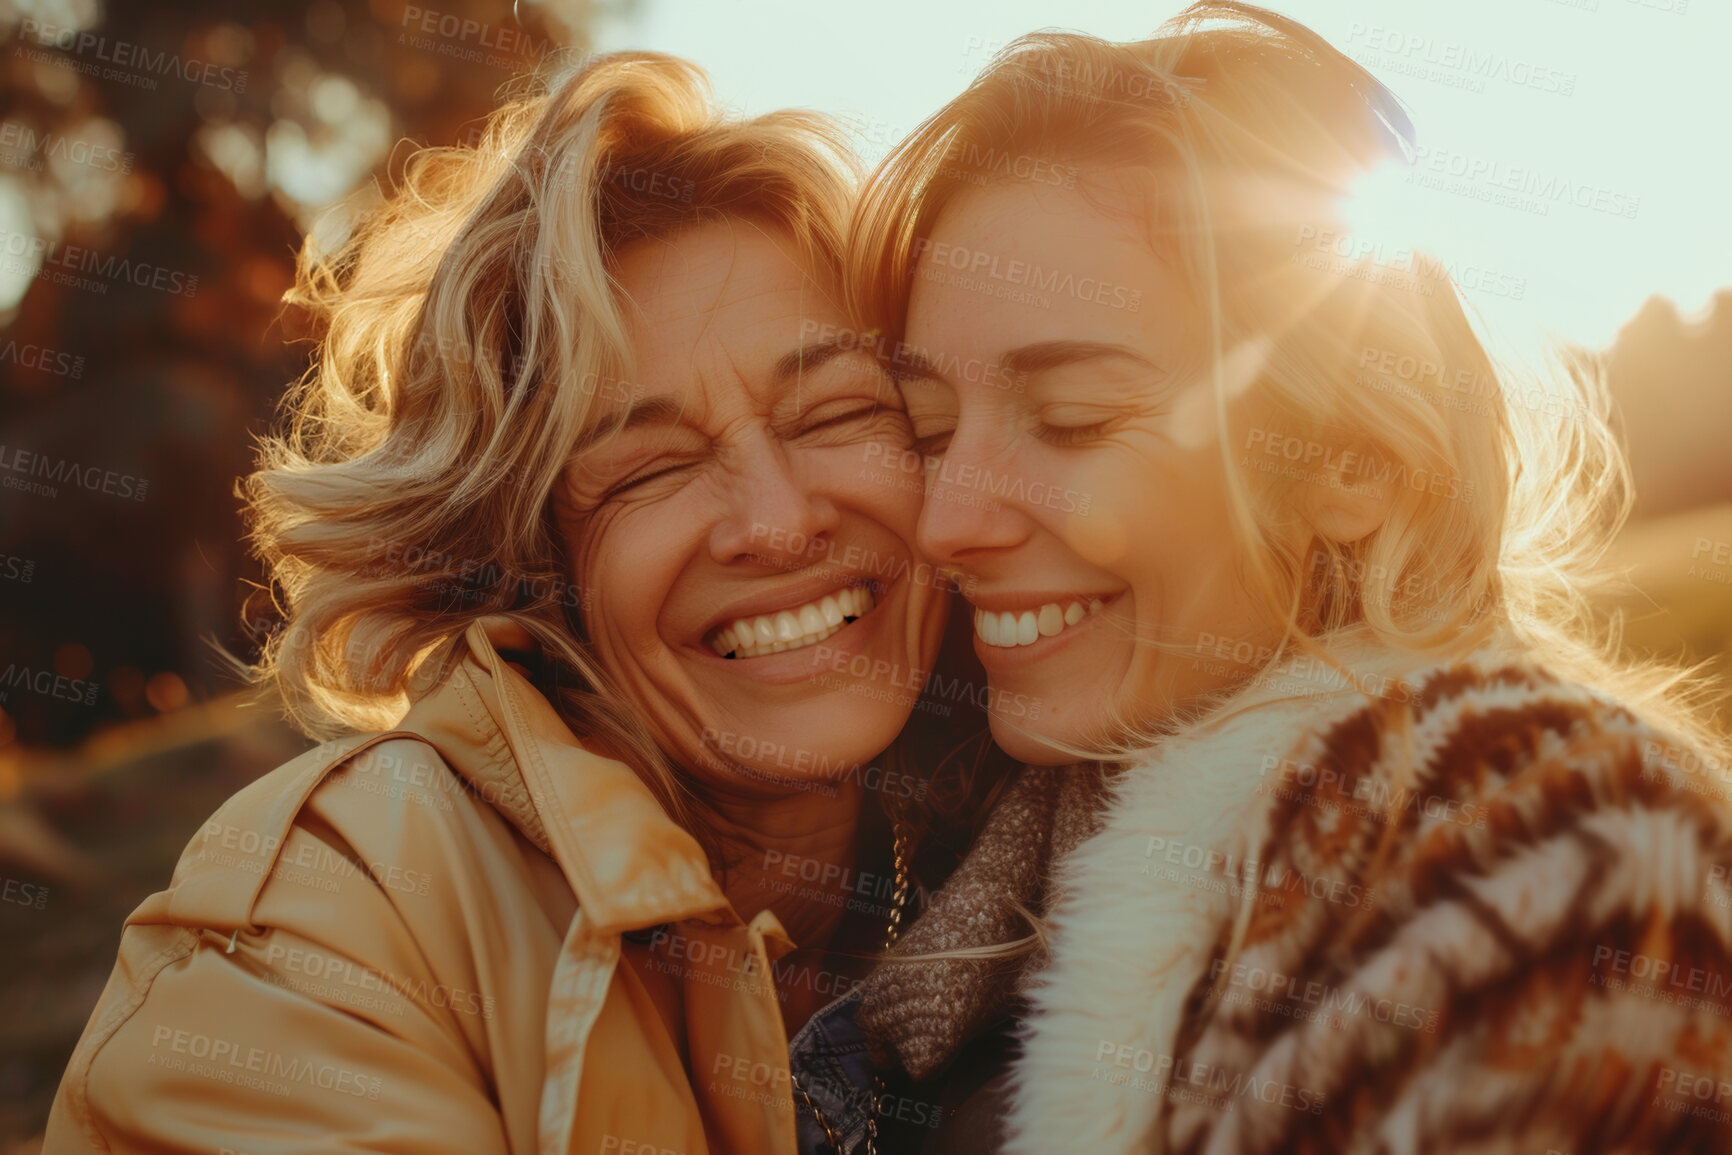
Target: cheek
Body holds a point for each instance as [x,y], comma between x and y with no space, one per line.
[898,507]
[1145,511]
[623,560]
[592,568]
[1100,538]
[1114,490]
[874,479]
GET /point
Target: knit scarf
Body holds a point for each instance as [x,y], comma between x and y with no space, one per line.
[919,1011]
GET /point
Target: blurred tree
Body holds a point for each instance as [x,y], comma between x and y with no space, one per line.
[159,164]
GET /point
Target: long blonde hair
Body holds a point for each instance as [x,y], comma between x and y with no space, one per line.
[470,331]
[1498,515]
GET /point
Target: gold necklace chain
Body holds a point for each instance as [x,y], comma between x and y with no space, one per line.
[898,900]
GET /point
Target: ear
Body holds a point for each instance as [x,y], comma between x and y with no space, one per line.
[1343,507]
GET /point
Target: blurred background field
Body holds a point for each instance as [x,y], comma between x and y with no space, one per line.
[120,592]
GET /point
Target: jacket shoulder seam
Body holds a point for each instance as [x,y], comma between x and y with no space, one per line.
[104,1029]
[200,898]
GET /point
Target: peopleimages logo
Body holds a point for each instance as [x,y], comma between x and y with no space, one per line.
[1173,860]
[132,63]
[1434,166]
[1351,469]
[330,969]
[913,363]
[978,479]
[914,681]
[21,146]
[46,683]
[92,477]
[227,1061]
[467,40]
[30,894]
[42,359]
[1398,266]
[1091,81]
[1294,997]
[779,755]
[1022,274]
[1188,1081]
[1327,786]
[966,160]
[64,262]
[853,560]
[1431,59]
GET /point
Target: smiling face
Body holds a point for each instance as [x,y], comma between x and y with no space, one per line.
[744,576]
[1077,480]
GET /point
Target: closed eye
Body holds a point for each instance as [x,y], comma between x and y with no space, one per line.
[645,478]
[847,419]
[862,413]
[1077,423]
[932,437]
[1068,435]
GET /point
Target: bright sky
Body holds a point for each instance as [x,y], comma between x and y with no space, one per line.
[1604,121]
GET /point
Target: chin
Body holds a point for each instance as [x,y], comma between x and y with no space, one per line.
[812,745]
[1027,744]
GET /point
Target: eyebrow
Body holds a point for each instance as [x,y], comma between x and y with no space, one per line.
[649,411]
[667,411]
[1038,357]
[808,358]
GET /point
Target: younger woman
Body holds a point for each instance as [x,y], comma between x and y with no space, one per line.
[1394,859]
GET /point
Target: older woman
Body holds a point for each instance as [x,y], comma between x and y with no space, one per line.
[579,580]
[1398,857]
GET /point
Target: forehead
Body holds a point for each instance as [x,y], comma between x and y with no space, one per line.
[725,297]
[722,319]
[1102,205]
[1019,262]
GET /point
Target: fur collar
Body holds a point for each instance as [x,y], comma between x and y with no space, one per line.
[1136,909]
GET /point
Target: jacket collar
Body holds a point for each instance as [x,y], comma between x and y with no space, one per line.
[629,865]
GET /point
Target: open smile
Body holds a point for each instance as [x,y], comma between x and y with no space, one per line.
[1008,629]
[793,628]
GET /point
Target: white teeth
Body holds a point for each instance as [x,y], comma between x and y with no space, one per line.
[1006,630]
[986,626]
[793,628]
[854,602]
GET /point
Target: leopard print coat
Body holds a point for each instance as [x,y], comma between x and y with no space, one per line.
[1482,910]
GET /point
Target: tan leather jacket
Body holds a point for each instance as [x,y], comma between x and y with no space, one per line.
[412,942]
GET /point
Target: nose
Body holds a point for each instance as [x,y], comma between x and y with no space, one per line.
[961,519]
[772,513]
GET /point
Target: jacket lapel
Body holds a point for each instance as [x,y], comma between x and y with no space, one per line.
[629,865]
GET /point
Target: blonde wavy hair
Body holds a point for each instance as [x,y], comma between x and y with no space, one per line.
[1242,129]
[470,330]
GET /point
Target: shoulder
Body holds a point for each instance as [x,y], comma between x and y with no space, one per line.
[306,937]
[368,781]
[1506,887]
[1459,743]
[367,819]
[1498,785]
